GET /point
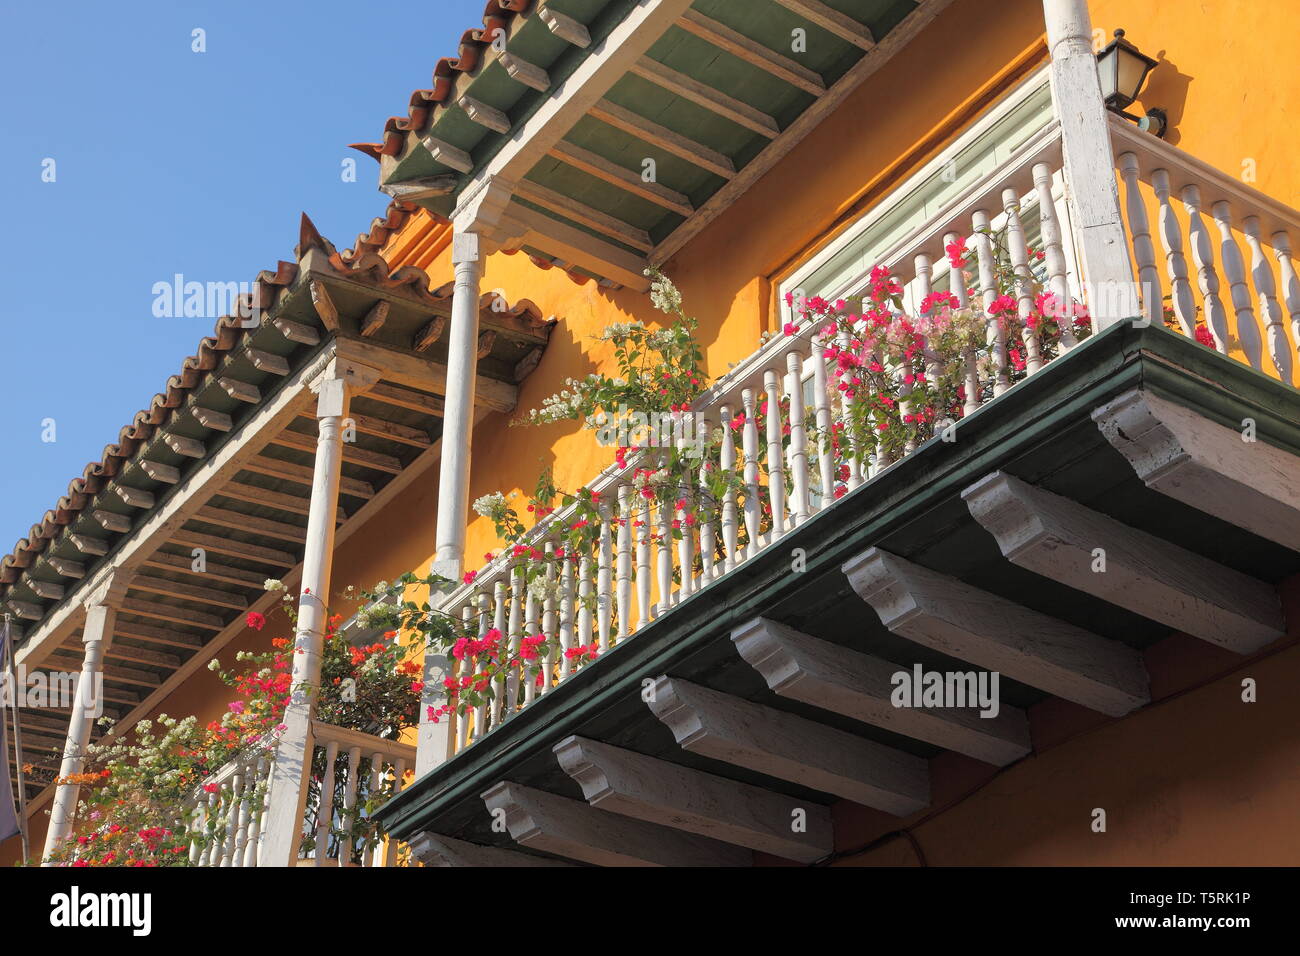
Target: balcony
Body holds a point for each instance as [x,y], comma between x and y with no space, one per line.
[737,658]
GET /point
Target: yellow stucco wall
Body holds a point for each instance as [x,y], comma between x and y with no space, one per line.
[1227,78]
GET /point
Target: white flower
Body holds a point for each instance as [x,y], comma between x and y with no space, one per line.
[214,664]
[273,584]
[491,506]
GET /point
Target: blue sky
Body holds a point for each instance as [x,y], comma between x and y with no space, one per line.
[169,161]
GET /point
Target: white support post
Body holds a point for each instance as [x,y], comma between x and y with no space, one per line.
[458,418]
[433,740]
[97,634]
[290,773]
[1089,164]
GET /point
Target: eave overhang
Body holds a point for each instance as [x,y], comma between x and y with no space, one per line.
[222,461]
[618,129]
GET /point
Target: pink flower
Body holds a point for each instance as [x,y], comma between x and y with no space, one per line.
[956,252]
[790,328]
[470,576]
[256,621]
[236,706]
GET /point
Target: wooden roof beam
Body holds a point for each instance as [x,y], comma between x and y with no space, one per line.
[991,632]
[585,215]
[791,748]
[596,165]
[235,549]
[577,831]
[659,792]
[434,849]
[565,27]
[228,574]
[701,94]
[834,678]
[752,52]
[1059,539]
[653,133]
[303,474]
[1186,456]
[832,20]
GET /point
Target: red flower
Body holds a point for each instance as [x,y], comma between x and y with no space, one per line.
[256,621]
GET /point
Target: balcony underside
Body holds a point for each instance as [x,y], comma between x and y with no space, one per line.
[1043,433]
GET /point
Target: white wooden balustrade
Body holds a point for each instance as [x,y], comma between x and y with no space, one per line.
[635,573]
[228,813]
[1245,307]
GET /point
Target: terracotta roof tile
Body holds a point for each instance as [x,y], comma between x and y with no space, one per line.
[364,263]
[497,15]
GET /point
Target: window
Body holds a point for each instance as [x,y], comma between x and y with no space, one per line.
[840,270]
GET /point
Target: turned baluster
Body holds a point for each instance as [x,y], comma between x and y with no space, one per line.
[1198,234]
[727,465]
[348,818]
[1279,348]
[255,793]
[1290,282]
[532,628]
[798,440]
[375,855]
[549,623]
[996,332]
[1054,254]
[957,285]
[664,503]
[852,450]
[753,500]
[481,711]
[1234,270]
[826,458]
[497,691]
[1171,240]
[514,638]
[624,572]
[586,613]
[325,806]
[644,582]
[604,573]
[775,454]
[708,510]
[1144,251]
[1018,250]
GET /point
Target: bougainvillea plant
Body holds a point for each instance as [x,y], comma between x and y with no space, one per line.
[139,793]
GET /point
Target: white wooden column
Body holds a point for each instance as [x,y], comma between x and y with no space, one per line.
[458,418]
[101,613]
[290,773]
[1089,164]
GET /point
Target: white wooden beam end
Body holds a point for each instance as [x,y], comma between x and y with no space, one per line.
[660,792]
[578,831]
[800,667]
[1182,454]
[952,617]
[1065,541]
[791,748]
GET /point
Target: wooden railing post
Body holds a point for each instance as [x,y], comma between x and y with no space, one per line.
[1089,165]
[290,775]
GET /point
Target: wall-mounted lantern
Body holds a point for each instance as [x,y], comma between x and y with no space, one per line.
[1122,69]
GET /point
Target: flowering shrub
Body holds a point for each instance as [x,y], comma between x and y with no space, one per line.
[137,799]
[894,378]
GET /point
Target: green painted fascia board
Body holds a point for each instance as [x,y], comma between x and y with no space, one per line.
[1066,391]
